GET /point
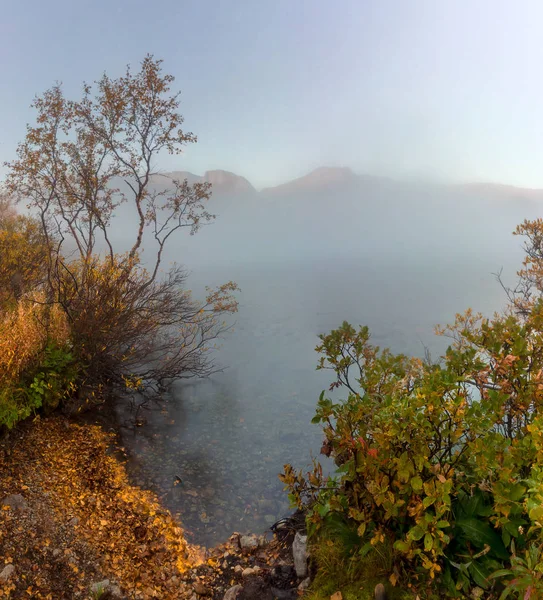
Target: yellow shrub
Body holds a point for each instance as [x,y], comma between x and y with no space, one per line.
[24,332]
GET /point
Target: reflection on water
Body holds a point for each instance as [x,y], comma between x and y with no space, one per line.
[227,438]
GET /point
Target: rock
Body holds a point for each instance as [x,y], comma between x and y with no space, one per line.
[201,589]
[248,542]
[115,591]
[238,569]
[232,593]
[256,589]
[299,553]
[15,501]
[283,576]
[73,521]
[6,573]
[304,585]
[100,586]
[380,592]
[250,571]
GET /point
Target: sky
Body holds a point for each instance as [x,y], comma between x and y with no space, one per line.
[443,90]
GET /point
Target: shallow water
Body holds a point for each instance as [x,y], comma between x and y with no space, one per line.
[227,438]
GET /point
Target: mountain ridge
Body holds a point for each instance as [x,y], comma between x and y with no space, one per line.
[326,177]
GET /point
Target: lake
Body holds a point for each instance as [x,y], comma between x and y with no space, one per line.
[227,438]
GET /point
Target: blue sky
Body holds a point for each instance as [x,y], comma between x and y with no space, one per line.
[448,89]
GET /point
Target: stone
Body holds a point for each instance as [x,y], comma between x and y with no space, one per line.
[114,591]
[201,589]
[380,592]
[250,571]
[6,573]
[100,586]
[73,521]
[56,552]
[299,553]
[15,501]
[232,593]
[248,542]
[304,585]
[270,519]
[256,589]
[238,569]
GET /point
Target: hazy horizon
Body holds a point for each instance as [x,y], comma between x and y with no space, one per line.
[418,90]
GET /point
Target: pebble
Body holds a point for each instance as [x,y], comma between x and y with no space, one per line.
[201,589]
[7,572]
[304,585]
[238,569]
[250,571]
[15,501]
[248,542]
[100,586]
[233,592]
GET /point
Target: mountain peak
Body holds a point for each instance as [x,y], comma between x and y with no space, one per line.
[227,181]
[223,182]
[321,177]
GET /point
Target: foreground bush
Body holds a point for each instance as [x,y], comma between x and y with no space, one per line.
[37,369]
[441,464]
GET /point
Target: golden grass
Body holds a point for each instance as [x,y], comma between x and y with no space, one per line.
[24,333]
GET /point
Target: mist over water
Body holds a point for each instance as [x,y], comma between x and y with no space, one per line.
[399,258]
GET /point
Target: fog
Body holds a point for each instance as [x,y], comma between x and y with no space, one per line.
[398,257]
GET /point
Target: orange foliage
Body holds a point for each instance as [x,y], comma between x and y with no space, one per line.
[116,531]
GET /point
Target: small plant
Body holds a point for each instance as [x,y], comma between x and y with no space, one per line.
[526,574]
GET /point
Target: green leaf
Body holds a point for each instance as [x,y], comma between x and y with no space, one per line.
[416,533]
[480,533]
[416,484]
[428,542]
[478,574]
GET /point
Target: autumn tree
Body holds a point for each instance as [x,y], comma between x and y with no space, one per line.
[132,324]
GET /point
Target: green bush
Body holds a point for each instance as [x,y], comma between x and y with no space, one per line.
[442,463]
[43,388]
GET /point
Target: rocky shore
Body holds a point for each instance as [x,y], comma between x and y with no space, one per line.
[72,526]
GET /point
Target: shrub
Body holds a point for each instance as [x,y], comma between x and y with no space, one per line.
[36,365]
[442,462]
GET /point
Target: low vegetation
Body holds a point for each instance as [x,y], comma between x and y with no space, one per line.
[438,466]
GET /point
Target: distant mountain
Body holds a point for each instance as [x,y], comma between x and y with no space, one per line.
[323,177]
[226,183]
[223,182]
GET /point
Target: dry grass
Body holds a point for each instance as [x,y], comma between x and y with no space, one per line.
[24,332]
